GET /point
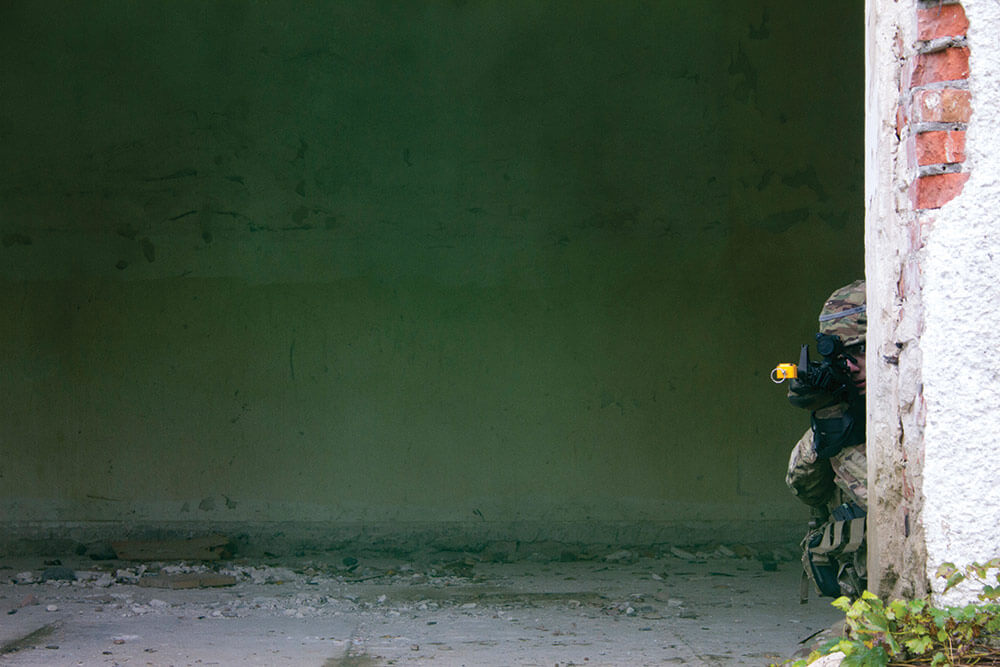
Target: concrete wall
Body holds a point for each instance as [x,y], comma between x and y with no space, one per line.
[507,269]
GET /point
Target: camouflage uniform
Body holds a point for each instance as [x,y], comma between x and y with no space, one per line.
[827,483]
[839,481]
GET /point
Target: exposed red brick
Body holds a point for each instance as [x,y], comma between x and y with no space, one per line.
[940,147]
[937,190]
[941,21]
[948,105]
[946,65]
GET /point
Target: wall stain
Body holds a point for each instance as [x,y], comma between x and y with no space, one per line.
[761,32]
[148,249]
[127,231]
[181,173]
[806,178]
[782,221]
[743,71]
[16,239]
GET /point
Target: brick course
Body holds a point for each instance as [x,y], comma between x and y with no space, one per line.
[950,64]
[945,105]
[931,118]
[937,190]
[941,21]
[941,147]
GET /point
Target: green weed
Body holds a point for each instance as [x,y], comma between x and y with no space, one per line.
[914,632]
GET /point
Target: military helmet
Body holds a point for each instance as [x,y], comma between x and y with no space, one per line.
[844,314]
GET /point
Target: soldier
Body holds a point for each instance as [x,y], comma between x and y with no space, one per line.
[828,468]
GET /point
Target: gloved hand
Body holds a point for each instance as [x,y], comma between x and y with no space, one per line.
[806,396]
[838,426]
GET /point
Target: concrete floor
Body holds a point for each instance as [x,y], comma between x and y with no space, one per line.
[617,608]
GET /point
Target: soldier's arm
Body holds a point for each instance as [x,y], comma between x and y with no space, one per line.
[809,478]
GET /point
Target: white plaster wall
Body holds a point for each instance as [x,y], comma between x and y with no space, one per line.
[961,341]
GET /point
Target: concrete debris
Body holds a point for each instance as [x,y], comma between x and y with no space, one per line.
[684,555]
[261,575]
[601,607]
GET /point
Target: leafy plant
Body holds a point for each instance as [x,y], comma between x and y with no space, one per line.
[914,632]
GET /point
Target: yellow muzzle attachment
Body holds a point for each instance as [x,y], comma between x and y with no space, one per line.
[784,371]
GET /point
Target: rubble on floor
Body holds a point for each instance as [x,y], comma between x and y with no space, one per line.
[537,604]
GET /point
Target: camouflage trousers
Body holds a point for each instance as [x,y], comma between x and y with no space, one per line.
[834,550]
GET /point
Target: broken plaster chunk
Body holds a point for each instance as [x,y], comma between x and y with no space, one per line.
[622,556]
[682,554]
[129,576]
[95,579]
[265,575]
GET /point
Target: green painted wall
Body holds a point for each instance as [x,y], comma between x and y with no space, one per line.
[418,263]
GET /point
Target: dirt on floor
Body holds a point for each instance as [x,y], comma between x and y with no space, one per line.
[720,606]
